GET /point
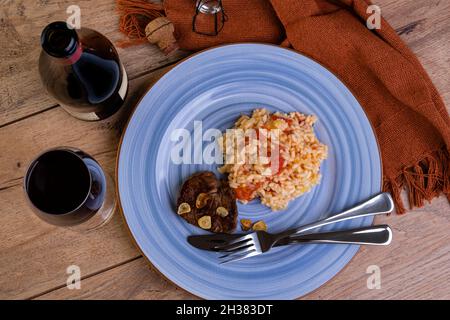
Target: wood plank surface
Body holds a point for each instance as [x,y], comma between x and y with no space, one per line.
[21,141]
[134,280]
[34,256]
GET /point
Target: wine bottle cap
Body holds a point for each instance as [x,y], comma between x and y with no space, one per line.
[58,40]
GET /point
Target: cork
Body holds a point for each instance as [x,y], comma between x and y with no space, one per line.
[160,31]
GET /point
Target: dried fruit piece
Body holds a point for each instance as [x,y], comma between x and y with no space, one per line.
[205,222]
[221,211]
[259,226]
[278,123]
[202,200]
[184,208]
[246,224]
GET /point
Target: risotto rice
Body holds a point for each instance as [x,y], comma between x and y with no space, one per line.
[298,157]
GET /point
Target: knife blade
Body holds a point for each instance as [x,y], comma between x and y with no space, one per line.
[210,241]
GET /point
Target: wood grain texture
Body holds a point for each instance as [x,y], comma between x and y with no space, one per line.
[34,256]
[21,23]
[23,140]
[134,280]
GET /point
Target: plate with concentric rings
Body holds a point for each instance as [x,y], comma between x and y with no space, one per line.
[215,87]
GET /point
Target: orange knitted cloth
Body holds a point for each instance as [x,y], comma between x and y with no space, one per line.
[410,119]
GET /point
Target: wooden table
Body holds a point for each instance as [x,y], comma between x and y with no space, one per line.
[34,255]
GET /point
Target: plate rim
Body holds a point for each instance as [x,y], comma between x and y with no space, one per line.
[170,68]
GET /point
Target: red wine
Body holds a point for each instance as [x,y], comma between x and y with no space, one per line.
[59,182]
[65,186]
[81,69]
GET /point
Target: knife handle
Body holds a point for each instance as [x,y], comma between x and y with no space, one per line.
[379,204]
[373,235]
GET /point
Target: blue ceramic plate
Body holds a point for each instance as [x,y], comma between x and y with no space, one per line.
[216,86]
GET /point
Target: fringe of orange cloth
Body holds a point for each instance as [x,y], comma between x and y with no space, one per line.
[425,180]
[134,17]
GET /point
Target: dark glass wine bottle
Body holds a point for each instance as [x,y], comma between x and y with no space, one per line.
[82,71]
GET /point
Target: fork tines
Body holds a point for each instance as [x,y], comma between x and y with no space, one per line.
[237,249]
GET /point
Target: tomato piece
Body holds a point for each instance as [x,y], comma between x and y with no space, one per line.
[245,193]
[281,160]
[265,133]
[274,117]
[280,164]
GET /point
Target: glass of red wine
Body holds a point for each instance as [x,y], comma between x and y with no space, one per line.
[67,187]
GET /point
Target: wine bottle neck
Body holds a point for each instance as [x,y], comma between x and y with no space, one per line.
[73,58]
[61,42]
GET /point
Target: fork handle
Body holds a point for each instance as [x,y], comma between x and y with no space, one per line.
[373,235]
[379,204]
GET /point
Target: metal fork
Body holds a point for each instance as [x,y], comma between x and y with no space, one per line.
[258,242]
